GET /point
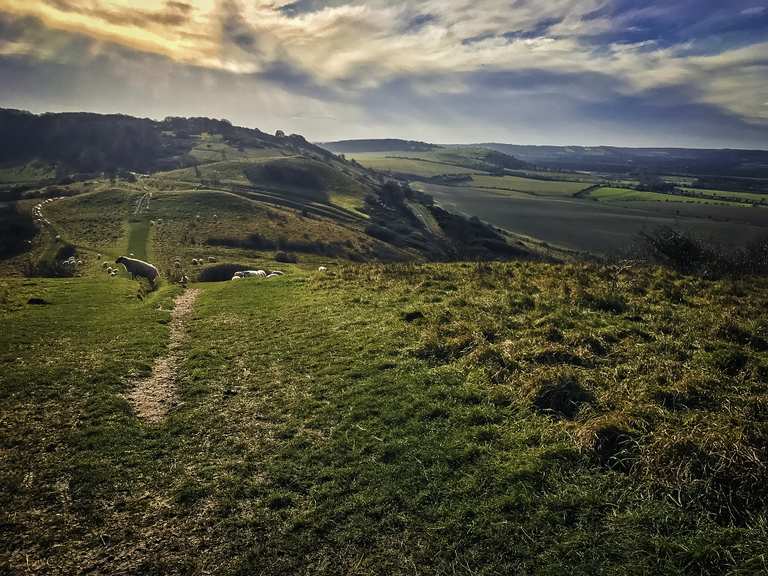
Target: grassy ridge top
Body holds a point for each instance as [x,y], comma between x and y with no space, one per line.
[500,418]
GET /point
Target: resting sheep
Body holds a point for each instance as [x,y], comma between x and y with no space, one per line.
[276,273]
[139,268]
[322,269]
[254,273]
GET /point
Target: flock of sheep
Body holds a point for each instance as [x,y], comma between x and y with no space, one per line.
[37,211]
[257,274]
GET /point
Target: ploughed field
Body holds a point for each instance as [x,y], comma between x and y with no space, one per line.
[385,419]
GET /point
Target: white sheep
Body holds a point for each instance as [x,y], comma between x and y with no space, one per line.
[211,258]
[254,274]
[322,269]
[105,265]
[236,277]
[273,276]
[113,273]
[139,268]
[109,270]
[276,273]
[194,261]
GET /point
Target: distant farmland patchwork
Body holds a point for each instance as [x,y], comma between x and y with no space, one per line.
[597,213]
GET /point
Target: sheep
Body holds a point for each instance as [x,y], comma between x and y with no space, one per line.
[139,268]
[194,261]
[109,269]
[273,276]
[105,265]
[79,262]
[177,264]
[211,258]
[254,273]
[276,273]
[98,256]
[113,273]
[236,277]
[184,280]
[322,269]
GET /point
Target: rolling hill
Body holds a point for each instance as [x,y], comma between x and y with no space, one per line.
[188,187]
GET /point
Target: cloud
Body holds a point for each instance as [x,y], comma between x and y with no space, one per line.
[356,53]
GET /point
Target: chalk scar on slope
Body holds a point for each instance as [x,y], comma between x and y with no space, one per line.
[153,397]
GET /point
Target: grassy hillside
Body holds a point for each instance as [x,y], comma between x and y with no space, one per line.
[502,418]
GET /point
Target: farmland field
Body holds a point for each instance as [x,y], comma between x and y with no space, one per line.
[388,163]
[529,185]
[590,226]
[627,195]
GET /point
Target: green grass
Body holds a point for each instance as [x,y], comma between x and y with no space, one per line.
[720,194]
[387,162]
[530,418]
[139,237]
[30,172]
[627,195]
[529,185]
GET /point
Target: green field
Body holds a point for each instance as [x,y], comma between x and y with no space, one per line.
[749,196]
[387,162]
[517,427]
[529,185]
[628,195]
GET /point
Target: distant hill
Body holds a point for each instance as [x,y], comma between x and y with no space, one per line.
[383,145]
[238,192]
[738,163]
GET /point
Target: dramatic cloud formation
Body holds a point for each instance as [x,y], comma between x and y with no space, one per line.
[690,72]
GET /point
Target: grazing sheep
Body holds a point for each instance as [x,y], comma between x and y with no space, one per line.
[98,256]
[58,236]
[276,273]
[177,264]
[194,261]
[236,277]
[254,274]
[139,268]
[105,265]
[109,269]
[184,280]
[322,269]
[79,262]
[113,273]
[211,258]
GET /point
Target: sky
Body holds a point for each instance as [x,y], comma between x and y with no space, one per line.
[562,72]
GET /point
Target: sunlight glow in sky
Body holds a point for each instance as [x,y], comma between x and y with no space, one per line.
[683,73]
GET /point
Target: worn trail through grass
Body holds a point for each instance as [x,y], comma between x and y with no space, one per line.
[153,397]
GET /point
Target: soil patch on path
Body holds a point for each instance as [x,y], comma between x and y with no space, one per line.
[153,397]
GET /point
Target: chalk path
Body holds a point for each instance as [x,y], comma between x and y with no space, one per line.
[153,397]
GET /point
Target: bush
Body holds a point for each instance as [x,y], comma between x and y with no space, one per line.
[285,257]
[220,272]
[687,254]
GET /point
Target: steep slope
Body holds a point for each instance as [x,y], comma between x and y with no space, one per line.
[193,187]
